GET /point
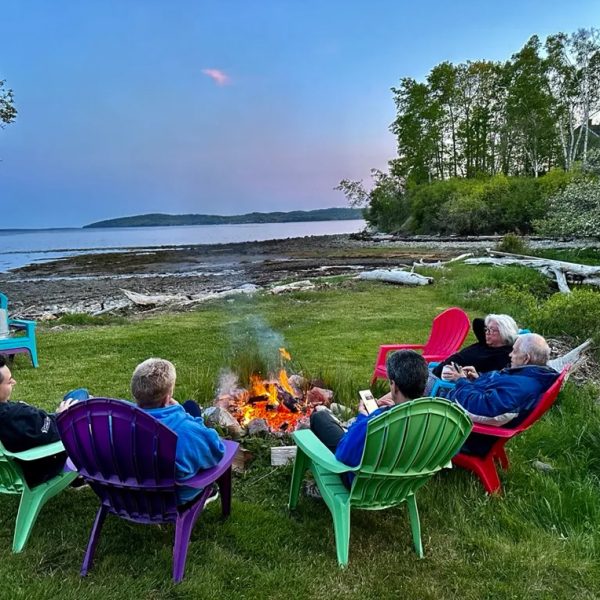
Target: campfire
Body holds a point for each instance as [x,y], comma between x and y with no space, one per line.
[280,403]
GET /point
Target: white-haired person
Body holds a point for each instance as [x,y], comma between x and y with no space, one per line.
[495,335]
[198,447]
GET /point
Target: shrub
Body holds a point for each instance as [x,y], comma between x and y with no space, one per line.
[574,210]
[512,243]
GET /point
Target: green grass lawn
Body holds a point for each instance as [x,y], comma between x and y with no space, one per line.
[540,539]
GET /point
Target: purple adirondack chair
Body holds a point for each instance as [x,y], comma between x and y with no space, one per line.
[128,458]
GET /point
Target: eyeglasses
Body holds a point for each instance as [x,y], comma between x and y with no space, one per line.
[491,330]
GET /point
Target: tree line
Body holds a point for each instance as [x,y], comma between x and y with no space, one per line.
[520,117]
[484,146]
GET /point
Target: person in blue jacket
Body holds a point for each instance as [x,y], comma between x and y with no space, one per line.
[198,447]
[506,396]
[407,372]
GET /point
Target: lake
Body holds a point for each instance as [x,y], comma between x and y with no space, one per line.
[19,248]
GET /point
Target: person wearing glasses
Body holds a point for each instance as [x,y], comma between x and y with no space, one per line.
[495,335]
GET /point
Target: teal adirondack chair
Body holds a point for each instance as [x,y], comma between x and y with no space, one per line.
[12,481]
[24,341]
[405,447]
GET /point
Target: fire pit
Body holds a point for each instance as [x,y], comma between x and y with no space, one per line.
[276,404]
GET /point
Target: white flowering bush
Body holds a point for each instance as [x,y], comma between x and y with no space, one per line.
[575,210]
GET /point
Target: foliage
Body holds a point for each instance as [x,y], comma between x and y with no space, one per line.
[575,210]
[8,112]
[512,243]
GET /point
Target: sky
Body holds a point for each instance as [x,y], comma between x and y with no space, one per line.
[224,106]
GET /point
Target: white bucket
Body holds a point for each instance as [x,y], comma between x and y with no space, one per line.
[3,323]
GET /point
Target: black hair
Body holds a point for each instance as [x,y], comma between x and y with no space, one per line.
[3,363]
[408,370]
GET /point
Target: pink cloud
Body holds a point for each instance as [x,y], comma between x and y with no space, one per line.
[218,76]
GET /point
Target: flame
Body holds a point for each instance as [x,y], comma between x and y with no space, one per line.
[261,401]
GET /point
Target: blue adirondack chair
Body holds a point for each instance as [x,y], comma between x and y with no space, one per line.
[128,458]
[24,338]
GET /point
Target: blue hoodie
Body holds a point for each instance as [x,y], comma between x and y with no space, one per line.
[512,390]
[198,446]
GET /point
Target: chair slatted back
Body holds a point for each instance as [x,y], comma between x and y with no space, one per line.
[448,331]
[126,455]
[11,476]
[405,446]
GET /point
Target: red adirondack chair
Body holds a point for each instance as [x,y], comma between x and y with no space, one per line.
[448,332]
[484,466]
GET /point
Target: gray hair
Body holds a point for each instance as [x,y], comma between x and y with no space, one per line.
[536,347]
[507,327]
[152,381]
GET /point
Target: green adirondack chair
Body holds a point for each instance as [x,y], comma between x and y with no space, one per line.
[405,447]
[12,481]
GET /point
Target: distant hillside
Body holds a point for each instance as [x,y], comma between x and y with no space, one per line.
[161,220]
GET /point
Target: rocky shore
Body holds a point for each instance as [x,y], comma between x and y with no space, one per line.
[93,283]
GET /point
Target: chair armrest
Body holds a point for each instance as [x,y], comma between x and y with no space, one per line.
[441,384]
[204,478]
[22,324]
[38,452]
[389,347]
[316,450]
[491,430]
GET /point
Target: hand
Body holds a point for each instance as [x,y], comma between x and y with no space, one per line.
[453,372]
[470,372]
[65,404]
[361,408]
[385,401]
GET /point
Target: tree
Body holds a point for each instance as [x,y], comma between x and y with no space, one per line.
[8,112]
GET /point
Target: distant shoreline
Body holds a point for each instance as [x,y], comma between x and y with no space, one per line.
[166,220]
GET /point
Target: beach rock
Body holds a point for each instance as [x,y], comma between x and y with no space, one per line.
[219,417]
[319,396]
[258,427]
[542,467]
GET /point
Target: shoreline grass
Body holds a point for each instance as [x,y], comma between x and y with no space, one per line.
[540,539]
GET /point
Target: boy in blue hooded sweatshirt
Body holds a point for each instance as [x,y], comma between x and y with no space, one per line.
[198,447]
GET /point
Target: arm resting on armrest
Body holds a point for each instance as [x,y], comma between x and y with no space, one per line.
[314,448]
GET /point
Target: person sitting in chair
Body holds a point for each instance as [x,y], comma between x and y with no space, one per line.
[23,427]
[407,372]
[506,396]
[495,338]
[198,447]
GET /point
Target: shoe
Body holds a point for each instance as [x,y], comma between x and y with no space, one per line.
[214,494]
[79,483]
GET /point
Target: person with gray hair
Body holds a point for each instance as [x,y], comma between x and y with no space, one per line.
[506,396]
[198,447]
[495,335]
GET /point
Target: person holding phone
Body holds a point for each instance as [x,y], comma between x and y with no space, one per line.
[407,372]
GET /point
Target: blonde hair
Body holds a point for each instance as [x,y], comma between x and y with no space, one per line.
[152,381]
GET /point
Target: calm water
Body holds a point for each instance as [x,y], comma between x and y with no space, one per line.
[21,248]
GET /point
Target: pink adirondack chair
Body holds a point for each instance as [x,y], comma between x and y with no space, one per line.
[448,332]
[484,466]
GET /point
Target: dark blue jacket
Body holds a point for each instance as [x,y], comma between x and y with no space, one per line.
[513,390]
[350,448]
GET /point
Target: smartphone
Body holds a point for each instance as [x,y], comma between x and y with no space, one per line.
[369,402]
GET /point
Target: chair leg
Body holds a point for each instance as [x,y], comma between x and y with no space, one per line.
[29,508]
[224,483]
[502,458]
[341,529]
[33,353]
[93,542]
[183,533]
[415,524]
[300,466]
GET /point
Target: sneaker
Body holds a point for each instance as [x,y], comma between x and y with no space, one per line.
[79,483]
[214,495]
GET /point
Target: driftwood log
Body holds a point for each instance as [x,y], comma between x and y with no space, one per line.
[562,271]
[396,276]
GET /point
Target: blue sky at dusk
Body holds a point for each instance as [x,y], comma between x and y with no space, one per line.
[224,107]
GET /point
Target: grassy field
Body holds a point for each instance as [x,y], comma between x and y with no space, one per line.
[540,539]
